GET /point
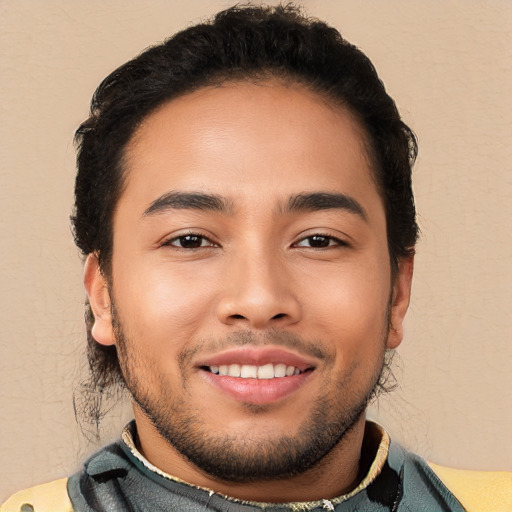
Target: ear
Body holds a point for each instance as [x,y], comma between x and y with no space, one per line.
[99,297]
[400,301]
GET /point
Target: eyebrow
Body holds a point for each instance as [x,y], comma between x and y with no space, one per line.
[305,202]
[309,202]
[188,201]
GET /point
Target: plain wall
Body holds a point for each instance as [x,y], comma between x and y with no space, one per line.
[447,64]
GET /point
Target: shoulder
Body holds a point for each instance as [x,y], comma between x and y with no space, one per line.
[478,490]
[461,490]
[66,494]
[50,497]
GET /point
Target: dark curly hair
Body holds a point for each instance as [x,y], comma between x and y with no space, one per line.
[240,43]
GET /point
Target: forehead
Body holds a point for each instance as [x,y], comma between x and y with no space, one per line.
[248,141]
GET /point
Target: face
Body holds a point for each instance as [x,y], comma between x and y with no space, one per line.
[251,296]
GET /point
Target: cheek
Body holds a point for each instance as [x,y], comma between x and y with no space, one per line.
[158,303]
[351,305]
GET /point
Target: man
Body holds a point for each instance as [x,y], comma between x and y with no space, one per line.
[244,204]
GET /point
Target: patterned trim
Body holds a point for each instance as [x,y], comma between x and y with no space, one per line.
[375,469]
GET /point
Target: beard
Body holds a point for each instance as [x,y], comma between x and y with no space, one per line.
[243,457]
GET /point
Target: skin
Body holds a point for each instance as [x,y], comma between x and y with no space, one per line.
[257,274]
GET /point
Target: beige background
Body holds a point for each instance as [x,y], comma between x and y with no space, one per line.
[448,65]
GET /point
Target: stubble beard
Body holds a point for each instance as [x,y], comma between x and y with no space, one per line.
[242,458]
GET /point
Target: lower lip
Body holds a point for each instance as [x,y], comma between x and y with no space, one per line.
[258,391]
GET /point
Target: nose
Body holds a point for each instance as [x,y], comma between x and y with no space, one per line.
[258,294]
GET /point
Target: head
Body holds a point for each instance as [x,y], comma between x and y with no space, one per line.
[279,56]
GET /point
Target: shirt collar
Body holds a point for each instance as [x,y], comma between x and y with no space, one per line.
[373,430]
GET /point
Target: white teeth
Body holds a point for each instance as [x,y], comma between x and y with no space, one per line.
[234,370]
[248,371]
[280,370]
[266,371]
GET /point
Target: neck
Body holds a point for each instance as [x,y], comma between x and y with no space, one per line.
[337,473]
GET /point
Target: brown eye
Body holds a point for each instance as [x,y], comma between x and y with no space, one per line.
[319,242]
[190,242]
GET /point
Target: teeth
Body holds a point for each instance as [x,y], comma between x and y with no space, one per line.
[248,371]
[234,370]
[266,372]
[280,370]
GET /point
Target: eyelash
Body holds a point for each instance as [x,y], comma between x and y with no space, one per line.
[202,239]
[337,241]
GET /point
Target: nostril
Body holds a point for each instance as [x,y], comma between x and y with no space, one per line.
[238,317]
[279,315]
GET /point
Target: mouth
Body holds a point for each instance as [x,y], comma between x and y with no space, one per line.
[248,371]
[257,375]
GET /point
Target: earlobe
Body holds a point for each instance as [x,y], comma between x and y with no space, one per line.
[400,301]
[99,297]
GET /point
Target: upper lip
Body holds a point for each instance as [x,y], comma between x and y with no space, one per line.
[258,356]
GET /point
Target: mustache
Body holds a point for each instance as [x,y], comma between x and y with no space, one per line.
[277,338]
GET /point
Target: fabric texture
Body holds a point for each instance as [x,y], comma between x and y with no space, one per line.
[115,480]
[478,490]
[119,479]
[50,497]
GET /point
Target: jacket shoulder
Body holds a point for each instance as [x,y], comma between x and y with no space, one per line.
[49,497]
[478,491]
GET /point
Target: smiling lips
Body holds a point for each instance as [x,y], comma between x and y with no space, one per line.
[247,371]
[260,375]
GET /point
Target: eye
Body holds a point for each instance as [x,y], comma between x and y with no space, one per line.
[320,242]
[189,241]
